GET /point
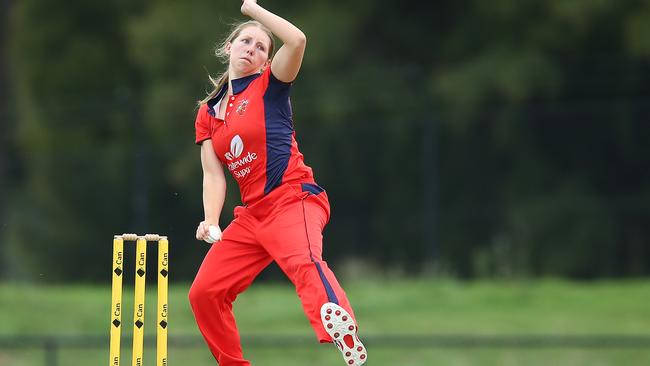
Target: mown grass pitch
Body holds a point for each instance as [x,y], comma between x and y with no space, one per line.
[383,307]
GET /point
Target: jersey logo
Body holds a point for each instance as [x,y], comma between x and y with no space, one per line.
[236,148]
[239,164]
[241,108]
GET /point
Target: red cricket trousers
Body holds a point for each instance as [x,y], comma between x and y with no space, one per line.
[286,227]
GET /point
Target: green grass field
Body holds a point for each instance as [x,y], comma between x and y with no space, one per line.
[383,308]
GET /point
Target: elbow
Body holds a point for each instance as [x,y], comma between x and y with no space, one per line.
[302,39]
[299,40]
[214,186]
[213,178]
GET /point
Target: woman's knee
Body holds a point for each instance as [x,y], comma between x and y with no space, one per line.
[200,291]
[196,292]
[207,291]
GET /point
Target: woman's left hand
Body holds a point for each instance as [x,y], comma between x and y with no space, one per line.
[245,4]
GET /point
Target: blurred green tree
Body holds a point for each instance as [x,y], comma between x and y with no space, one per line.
[73,135]
[504,138]
[539,101]
[6,123]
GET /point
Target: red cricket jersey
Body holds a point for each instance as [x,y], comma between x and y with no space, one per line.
[256,140]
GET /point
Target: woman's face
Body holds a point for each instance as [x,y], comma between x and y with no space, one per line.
[248,51]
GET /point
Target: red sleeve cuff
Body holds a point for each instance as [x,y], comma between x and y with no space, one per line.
[202,125]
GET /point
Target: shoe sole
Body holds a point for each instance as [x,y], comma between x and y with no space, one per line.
[341,327]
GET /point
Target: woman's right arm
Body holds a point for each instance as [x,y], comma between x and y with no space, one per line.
[214,189]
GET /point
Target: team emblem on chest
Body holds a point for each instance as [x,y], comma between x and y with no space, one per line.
[238,163]
[241,107]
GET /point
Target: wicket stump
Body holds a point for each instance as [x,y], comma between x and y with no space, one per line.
[139,296]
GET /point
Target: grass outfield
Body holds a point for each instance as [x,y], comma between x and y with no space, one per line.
[383,308]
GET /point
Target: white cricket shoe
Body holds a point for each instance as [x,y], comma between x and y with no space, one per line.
[341,327]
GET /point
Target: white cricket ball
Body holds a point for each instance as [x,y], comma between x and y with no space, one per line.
[214,234]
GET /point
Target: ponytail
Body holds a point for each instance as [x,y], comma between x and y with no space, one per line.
[217,84]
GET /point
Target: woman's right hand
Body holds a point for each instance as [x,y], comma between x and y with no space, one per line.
[208,232]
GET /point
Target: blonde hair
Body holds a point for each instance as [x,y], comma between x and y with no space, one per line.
[220,53]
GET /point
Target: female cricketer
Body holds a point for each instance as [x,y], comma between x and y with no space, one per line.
[245,124]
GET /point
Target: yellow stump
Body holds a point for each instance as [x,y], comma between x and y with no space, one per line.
[116,303]
[161,334]
[138,304]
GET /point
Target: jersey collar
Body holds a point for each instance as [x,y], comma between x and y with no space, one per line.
[238,86]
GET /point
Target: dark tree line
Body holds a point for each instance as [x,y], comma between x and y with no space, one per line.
[468,138]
